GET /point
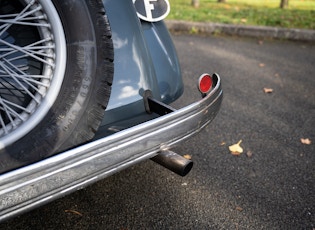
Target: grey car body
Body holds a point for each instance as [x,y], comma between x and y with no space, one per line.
[145,61]
[145,58]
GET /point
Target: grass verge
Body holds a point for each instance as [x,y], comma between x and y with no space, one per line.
[299,14]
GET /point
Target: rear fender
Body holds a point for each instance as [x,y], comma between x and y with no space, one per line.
[133,72]
[165,61]
[145,59]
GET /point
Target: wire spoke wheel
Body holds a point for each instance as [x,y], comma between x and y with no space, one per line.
[56,69]
[32,46]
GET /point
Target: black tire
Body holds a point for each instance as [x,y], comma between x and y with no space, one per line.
[79,106]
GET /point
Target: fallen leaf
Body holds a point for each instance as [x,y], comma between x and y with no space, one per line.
[261,65]
[268,90]
[187,156]
[277,75]
[74,212]
[243,20]
[236,149]
[306,141]
[239,208]
[222,143]
[249,154]
[260,42]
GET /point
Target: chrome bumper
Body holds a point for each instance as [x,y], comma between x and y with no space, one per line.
[39,183]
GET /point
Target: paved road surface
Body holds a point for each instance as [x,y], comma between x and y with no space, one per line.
[270,186]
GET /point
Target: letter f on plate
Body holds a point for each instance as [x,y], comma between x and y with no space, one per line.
[148,8]
[152,10]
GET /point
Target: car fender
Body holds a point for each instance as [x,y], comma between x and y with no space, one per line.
[145,59]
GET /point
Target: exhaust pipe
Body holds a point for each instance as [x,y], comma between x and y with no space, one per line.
[173,162]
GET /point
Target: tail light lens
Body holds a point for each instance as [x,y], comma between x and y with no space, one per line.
[205,83]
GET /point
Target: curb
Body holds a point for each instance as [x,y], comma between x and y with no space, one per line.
[241,30]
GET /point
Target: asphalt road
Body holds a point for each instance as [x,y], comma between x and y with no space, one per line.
[270,186]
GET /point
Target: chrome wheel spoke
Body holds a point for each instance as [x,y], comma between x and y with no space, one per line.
[30,34]
[16,17]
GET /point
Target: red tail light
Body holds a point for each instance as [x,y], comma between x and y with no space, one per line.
[205,83]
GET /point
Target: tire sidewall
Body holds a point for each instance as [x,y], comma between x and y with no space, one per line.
[68,121]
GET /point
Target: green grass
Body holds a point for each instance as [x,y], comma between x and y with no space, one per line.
[299,14]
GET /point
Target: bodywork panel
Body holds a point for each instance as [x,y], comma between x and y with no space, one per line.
[145,59]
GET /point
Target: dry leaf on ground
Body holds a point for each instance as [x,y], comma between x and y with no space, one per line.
[306,141]
[268,90]
[187,156]
[236,149]
[74,212]
[249,154]
[261,65]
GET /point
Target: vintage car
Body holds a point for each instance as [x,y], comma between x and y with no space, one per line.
[85,90]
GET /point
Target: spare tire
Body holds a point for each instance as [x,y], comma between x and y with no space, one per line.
[56,71]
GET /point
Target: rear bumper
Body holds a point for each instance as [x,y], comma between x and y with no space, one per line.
[39,183]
